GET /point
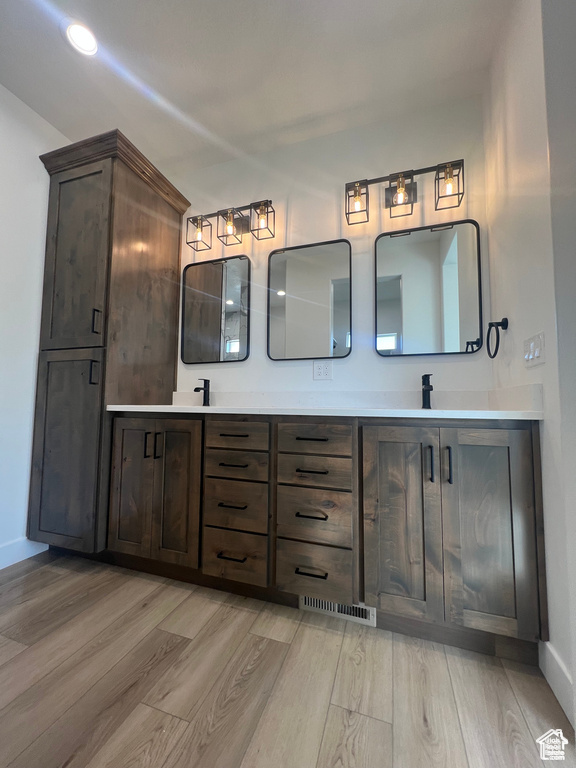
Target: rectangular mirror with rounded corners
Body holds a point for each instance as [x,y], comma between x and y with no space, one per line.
[428,290]
[216,311]
[309,301]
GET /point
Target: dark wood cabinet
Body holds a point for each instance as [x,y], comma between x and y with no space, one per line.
[155,489]
[449,527]
[111,281]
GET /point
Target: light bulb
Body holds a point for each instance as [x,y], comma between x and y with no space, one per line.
[401,196]
[448,181]
[82,39]
[262,217]
[281,293]
[357,197]
[229,301]
[230,228]
[199,231]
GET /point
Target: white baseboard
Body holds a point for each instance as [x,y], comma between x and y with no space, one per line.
[19,549]
[559,678]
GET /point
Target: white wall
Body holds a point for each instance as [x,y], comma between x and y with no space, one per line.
[23,206]
[306,184]
[522,289]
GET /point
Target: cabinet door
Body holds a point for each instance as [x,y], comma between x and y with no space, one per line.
[489,531]
[176,516]
[402,521]
[65,457]
[132,484]
[76,258]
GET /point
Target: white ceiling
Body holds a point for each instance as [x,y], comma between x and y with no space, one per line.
[201,81]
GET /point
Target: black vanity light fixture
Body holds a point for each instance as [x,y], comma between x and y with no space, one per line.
[401,191]
[231,225]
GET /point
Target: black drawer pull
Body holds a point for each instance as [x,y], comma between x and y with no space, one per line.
[96,321]
[94,377]
[431,449]
[313,471]
[237,466]
[158,445]
[231,506]
[224,434]
[450,466]
[314,439]
[323,516]
[147,436]
[222,556]
[312,575]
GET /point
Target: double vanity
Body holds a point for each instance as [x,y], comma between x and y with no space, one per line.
[433,518]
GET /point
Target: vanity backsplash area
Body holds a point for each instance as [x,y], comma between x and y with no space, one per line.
[348,495]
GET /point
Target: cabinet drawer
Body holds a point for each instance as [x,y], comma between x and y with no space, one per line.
[240,465]
[331,439]
[324,517]
[236,556]
[322,471]
[233,504]
[249,435]
[314,570]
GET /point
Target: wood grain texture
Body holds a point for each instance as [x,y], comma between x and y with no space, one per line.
[236,504]
[221,731]
[20,590]
[80,732]
[9,649]
[35,710]
[24,567]
[354,741]
[191,615]
[320,439]
[494,728]
[303,688]
[277,622]
[239,465]
[144,739]
[539,706]
[314,570]
[426,725]
[319,516]
[247,435]
[183,688]
[235,555]
[364,680]
[55,648]
[315,471]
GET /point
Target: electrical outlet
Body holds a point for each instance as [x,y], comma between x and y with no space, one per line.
[535,350]
[322,370]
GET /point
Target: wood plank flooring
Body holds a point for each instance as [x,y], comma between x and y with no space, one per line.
[102,667]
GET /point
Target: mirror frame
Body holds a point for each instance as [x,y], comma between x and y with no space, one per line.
[299,248]
[431,228]
[248,306]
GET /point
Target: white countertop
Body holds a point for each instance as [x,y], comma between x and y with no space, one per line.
[403,413]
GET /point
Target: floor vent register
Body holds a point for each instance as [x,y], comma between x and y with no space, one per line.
[358,613]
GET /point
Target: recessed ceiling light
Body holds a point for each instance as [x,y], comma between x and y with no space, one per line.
[82,39]
[281,293]
[229,301]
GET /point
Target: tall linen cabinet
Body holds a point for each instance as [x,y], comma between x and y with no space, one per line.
[109,325]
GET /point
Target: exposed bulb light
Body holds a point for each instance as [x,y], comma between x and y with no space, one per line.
[401,196]
[82,39]
[229,301]
[262,217]
[357,197]
[281,293]
[448,181]
[230,228]
[199,232]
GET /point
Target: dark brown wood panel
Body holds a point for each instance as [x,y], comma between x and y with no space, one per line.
[132,486]
[65,458]
[202,307]
[74,301]
[314,570]
[319,516]
[245,435]
[489,531]
[234,555]
[235,504]
[329,439]
[176,516]
[240,465]
[144,294]
[402,521]
[319,471]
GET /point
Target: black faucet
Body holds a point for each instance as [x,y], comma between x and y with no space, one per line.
[206,391]
[426,389]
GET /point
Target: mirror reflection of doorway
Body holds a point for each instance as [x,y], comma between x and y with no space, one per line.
[389,313]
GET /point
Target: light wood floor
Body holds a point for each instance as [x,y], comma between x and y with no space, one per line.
[107,668]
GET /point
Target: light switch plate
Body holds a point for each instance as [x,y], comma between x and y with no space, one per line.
[322,370]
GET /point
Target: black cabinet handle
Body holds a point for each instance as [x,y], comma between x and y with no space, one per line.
[231,506]
[158,445]
[431,449]
[450,467]
[313,471]
[323,516]
[94,377]
[311,575]
[147,437]
[224,434]
[314,439]
[96,320]
[237,466]
[222,556]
